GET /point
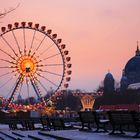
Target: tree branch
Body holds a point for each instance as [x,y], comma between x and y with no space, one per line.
[3,14]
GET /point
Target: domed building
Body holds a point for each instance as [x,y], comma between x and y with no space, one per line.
[131,72]
[123,83]
[109,84]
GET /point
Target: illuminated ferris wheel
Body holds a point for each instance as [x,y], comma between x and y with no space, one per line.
[32,60]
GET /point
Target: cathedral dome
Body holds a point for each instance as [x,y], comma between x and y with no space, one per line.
[109,76]
[131,73]
[132,68]
[133,65]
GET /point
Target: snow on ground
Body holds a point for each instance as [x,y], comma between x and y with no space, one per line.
[68,134]
[4,129]
[82,135]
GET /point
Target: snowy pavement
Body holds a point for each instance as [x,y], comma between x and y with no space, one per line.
[82,135]
[59,134]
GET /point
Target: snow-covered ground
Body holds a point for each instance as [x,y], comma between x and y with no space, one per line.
[56,135]
[21,135]
[81,135]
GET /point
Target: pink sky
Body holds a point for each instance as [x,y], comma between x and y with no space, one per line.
[100,34]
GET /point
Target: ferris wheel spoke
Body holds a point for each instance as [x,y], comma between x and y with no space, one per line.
[20,52]
[24,41]
[10,90]
[11,62]
[35,81]
[52,56]
[21,87]
[8,67]
[41,84]
[49,65]
[9,46]
[39,45]
[7,54]
[27,86]
[7,73]
[32,42]
[18,82]
[35,88]
[50,72]
[41,96]
[47,49]
[47,79]
[5,83]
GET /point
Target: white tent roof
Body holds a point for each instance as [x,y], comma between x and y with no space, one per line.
[134,86]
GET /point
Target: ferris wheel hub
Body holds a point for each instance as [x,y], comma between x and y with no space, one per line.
[26,65]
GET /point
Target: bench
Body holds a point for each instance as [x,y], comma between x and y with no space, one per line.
[13,124]
[27,124]
[46,123]
[101,121]
[89,118]
[136,121]
[59,124]
[120,119]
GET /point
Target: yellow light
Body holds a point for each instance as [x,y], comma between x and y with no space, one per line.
[26,65]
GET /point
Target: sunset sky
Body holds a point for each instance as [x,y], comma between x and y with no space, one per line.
[101,35]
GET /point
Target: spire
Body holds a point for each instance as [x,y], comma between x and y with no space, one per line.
[108,70]
[123,72]
[137,51]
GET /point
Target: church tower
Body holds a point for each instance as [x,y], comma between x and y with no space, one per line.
[109,84]
[123,83]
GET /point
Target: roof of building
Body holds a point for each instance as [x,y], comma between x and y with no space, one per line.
[109,76]
[133,65]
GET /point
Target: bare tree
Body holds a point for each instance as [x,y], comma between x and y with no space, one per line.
[100,87]
[5,12]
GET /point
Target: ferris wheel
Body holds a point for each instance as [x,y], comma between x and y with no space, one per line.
[32,60]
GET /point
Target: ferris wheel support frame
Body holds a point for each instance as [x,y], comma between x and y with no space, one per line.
[14,91]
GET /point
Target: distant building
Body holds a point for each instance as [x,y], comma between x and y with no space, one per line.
[131,73]
[19,99]
[109,84]
[130,76]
